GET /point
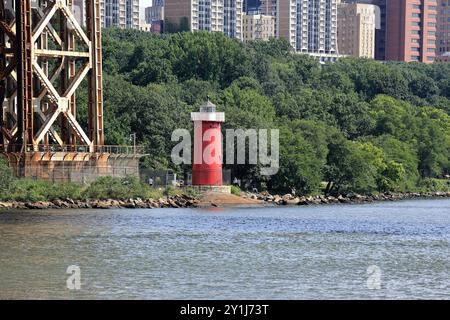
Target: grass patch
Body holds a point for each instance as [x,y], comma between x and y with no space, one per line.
[235,190]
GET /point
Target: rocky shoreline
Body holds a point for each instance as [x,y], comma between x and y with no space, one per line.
[185,201]
[350,198]
[178,201]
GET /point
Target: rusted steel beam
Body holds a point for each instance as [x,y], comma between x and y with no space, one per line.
[25,113]
[58,54]
[93,21]
[44,105]
[2,66]
[8,76]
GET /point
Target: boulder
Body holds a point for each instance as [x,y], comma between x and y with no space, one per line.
[114,203]
[332,199]
[342,199]
[6,205]
[302,201]
[82,204]
[173,204]
[294,201]
[139,203]
[40,205]
[61,204]
[277,199]
[102,204]
[70,201]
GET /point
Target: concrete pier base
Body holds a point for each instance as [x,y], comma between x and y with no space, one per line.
[80,167]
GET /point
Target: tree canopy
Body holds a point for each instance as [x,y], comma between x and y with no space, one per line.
[354,125]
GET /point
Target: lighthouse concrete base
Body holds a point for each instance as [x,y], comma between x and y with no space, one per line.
[216,189]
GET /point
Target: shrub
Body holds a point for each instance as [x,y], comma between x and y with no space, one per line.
[154,193]
[116,188]
[235,190]
[35,190]
[6,178]
[191,192]
[433,185]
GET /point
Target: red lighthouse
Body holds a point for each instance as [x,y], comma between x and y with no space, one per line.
[207,167]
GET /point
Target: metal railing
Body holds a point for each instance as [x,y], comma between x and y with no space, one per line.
[110,149]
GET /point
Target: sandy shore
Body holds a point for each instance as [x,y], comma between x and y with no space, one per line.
[221,199]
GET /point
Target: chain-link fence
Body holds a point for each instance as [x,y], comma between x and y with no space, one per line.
[166,178]
[84,168]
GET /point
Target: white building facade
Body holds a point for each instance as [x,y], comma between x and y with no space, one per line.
[310,26]
[209,15]
[120,13]
[317,26]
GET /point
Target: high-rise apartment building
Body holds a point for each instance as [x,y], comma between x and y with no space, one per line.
[380,31]
[120,13]
[155,12]
[79,11]
[232,18]
[269,7]
[356,29]
[258,27]
[251,6]
[286,21]
[213,15]
[317,26]
[443,30]
[310,26]
[411,30]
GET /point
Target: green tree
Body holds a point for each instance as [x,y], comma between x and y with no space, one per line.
[337,115]
[299,168]
[352,166]
[6,178]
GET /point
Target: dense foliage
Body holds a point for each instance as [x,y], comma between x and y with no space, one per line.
[356,124]
[6,176]
[101,189]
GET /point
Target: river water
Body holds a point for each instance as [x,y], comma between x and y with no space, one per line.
[372,251]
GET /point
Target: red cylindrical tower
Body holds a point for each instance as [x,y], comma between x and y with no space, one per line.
[207,166]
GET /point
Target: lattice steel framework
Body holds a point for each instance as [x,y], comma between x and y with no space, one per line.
[44,57]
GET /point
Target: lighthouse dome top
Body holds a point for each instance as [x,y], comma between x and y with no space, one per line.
[208,107]
[208,113]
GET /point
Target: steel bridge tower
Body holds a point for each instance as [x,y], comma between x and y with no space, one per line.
[45,55]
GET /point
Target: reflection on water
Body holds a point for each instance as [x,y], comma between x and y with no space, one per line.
[246,253]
